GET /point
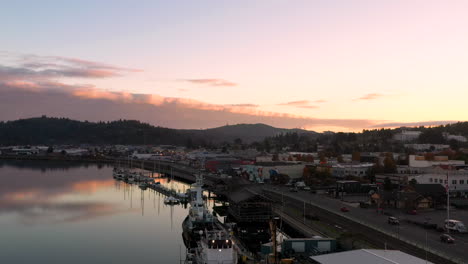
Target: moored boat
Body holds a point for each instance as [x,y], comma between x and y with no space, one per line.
[171,200]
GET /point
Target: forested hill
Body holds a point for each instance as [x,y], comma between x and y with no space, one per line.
[49,131]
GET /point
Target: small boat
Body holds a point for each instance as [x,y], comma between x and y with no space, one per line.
[171,200]
[143,185]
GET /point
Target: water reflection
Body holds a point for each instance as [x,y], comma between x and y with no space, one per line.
[37,198]
[78,213]
[49,165]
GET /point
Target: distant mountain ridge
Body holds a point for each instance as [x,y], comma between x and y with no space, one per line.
[249,132]
[49,131]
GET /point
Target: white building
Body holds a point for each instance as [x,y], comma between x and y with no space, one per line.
[356,170]
[427,147]
[457,179]
[420,161]
[407,135]
[405,169]
[458,138]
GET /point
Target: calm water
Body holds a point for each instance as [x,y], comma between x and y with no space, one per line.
[77,213]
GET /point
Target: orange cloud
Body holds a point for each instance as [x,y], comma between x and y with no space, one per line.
[320,101]
[296,103]
[308,106]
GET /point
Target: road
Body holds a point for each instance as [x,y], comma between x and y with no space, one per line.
[405,231]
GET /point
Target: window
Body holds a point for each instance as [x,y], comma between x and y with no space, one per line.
[462,181]
[454,181]
[446,181]
[430,179]
[440,180]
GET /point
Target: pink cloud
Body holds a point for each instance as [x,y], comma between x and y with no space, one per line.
[33,67]
[211,82]
[371,96]
[301,104]
[90,103]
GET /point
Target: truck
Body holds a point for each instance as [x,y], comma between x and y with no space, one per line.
[455,225]
[300,184]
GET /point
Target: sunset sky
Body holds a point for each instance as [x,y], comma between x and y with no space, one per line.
[319,65]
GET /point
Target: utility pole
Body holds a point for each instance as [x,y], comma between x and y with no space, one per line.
[426,246]
[448,202]
[304,213]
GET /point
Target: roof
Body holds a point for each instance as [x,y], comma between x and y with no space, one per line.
[430,189]
[246,194]
[369,256]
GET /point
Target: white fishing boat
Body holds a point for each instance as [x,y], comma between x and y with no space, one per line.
[171,200]
[216,247]
[199,217]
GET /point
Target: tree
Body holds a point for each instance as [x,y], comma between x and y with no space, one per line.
[387,186]
[389,163]
[189,143]
[432,136]
[340,159]
[50,150]
[413,182]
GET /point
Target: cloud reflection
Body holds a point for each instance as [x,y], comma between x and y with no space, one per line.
[37,197]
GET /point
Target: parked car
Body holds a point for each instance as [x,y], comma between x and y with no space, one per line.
[306,188]
[446,238]
[393,220]
[412,212]
[455,225]
[364,205]
[344,209]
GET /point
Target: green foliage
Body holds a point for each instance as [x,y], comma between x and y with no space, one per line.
[51,131]
[387,186]
[389,164]
[413,182]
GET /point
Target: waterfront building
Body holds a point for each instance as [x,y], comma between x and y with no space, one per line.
[343,170]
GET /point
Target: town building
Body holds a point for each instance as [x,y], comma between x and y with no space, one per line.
[458,138]
[456,180]
[421,161]
[406,135]
[427,147]
[343,170]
